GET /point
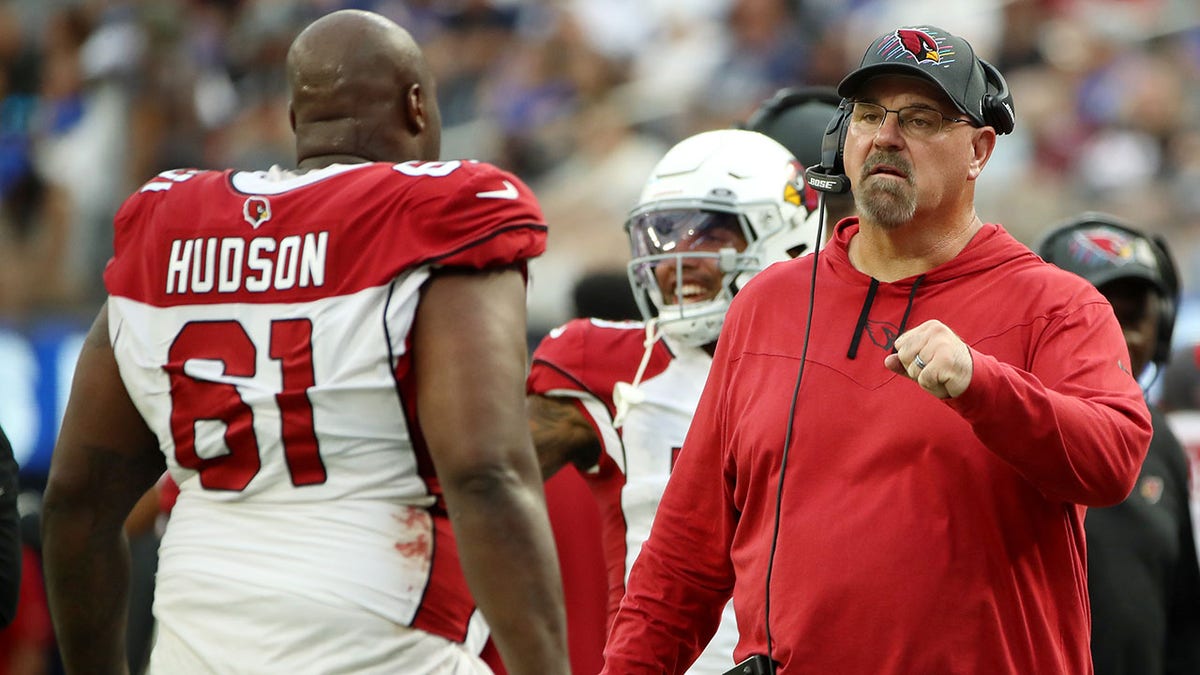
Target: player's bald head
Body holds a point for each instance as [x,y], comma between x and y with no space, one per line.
[361,87]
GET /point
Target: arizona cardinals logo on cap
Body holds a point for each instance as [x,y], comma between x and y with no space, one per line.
[256,211]
[912,43]
[919,44]
[1114,248]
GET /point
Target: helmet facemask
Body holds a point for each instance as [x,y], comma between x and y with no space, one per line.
[725,203]
[672,283]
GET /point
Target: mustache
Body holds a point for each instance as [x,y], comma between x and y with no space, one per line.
[890,159]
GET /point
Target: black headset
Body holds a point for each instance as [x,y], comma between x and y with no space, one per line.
[1166,275]
[996,108]
[997,103]
[830,174]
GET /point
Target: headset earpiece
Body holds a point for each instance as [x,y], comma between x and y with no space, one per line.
[997,104]
[830,174]
[1170,310]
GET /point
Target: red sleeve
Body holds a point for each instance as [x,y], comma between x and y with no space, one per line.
[135,238]
[590,356]
[1077,426]
[559,362]
[491,219]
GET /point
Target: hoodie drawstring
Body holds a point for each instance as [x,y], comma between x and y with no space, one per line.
[860,327]
[862,318]
[908,308]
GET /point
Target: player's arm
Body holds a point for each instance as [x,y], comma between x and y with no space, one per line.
[470,350]
[561,434]
[105,459]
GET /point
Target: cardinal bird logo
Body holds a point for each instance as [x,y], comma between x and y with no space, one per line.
[256,211]
[918,43]
[883,334]
[1110,248]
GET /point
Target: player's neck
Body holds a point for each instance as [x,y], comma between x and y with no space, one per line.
[322,161]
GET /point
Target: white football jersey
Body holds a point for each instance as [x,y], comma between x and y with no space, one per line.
[261,322]
[584,360]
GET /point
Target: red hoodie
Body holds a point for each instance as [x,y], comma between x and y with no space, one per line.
[917,535]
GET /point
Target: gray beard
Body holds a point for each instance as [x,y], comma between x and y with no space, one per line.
[885,203]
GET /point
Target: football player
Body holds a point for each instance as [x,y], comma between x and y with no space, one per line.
[330,359]
[616,398]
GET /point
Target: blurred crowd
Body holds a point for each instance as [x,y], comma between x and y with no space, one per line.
[579,98]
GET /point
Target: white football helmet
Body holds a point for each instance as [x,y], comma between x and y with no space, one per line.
[728,178]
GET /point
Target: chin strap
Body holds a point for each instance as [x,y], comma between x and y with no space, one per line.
[626,395]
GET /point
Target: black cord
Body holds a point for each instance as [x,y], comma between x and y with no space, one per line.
[787,438]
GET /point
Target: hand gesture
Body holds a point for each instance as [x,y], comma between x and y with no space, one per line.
[934,357]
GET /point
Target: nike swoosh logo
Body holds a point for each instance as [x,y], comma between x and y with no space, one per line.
[509,192]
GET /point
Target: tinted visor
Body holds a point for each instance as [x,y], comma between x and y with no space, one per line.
[684,230]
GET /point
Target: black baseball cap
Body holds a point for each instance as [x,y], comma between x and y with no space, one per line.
[1097,248]
[931,53]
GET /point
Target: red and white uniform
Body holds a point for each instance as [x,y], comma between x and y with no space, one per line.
[584,360]
[261,322]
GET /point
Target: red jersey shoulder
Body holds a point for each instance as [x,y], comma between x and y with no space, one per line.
[446,212]
[348,227]
[468,190]
[160,189]
[459,212]
[592,355]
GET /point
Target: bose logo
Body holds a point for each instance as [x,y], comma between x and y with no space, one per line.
[822,183]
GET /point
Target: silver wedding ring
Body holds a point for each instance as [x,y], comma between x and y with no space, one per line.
[919,361]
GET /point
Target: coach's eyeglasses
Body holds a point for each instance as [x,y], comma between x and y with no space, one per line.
[915,121]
